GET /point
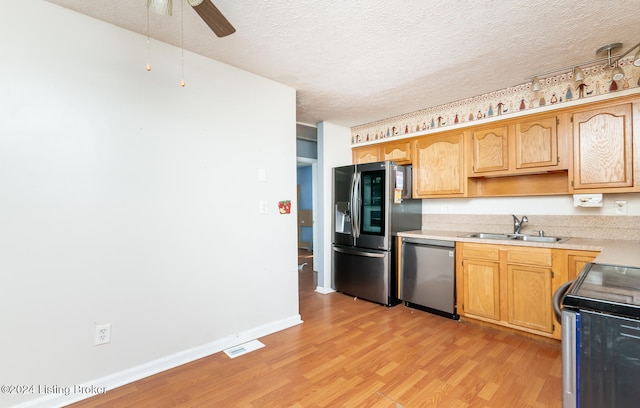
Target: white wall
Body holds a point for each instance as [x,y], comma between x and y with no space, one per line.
[127,199]
[334,150]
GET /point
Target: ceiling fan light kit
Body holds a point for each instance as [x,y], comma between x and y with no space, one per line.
[207,11]
[163,7]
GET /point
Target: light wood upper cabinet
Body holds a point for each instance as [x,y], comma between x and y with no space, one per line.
[588,148]
[536,143]
[517,147]
[603,149]
[366,154]
[438,166]
[490,150]
[399,152]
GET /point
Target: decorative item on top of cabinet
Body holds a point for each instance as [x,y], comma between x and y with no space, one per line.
[603,149]
[366,154]
[438,166]
[399,152]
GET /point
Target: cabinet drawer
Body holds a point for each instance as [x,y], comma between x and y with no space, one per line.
[529,256]
[481,251]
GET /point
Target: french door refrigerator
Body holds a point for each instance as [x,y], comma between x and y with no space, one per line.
[371,203]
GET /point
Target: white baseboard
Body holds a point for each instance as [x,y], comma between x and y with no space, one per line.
[324,290]
[162,364]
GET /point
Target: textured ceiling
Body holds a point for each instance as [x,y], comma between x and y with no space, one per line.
[357,61]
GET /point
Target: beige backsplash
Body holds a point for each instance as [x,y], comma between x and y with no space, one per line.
[578,226]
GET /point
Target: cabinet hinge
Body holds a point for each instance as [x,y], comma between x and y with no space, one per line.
[553,275]
[557,121]
[572,119]
[571,183]
[553,327]
[558,159]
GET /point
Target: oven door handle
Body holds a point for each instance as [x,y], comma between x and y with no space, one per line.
[558,296]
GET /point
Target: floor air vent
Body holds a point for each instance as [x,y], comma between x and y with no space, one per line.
[237,351]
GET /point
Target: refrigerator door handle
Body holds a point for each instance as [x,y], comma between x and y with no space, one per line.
[355,204]
[360,253]
[352,206]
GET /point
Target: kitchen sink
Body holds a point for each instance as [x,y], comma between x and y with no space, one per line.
[516,237]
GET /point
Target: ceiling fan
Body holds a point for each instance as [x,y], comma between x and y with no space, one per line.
[205,9]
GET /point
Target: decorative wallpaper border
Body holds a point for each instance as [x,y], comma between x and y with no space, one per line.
[554,90]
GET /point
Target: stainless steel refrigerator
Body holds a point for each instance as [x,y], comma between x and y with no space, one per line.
[371,203]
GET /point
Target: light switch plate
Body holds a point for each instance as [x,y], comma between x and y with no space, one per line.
[263,207]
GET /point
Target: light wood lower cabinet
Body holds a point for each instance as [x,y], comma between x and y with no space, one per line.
[529,297]
[482,288]
[512,286]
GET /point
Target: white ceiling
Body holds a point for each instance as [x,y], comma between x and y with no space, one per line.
[357,61]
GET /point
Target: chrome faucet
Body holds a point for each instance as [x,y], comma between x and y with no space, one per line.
[517,224]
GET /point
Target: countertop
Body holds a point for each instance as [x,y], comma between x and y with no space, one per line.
[614,252]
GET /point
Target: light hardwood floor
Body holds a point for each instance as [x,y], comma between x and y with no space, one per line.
[353,353]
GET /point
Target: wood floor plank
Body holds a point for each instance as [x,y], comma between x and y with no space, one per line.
[354,353]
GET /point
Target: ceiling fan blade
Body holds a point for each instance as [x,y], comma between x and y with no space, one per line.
[213,17]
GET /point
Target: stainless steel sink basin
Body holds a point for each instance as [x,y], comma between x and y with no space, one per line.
[516,237]
[487,235]
[534,238]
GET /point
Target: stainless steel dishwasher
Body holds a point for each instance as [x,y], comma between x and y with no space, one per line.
[428,276]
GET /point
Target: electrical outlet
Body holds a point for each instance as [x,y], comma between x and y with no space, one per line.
[103,334]
[621,207]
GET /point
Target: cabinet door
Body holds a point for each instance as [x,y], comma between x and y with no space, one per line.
[367,154]
[438,166]
[490,150]
[602,148]
[529,297]
[399,152]
[481,288]
[536,143]
[578,261]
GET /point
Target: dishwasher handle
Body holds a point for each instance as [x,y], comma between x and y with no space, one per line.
[429,242]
